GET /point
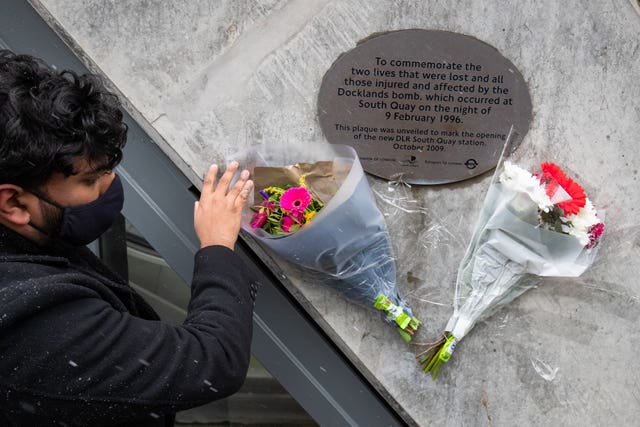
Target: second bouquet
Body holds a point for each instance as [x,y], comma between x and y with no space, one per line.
[531,225]
[314,208]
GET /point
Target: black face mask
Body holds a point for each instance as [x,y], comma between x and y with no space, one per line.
[82,224]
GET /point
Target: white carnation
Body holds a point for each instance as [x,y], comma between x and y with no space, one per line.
[521,180]
[582,222]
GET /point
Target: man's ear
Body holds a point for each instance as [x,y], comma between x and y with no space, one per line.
[12,210]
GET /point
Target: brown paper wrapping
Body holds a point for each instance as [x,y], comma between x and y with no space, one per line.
[322,178]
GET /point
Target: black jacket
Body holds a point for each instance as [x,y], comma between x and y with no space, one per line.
[79,347]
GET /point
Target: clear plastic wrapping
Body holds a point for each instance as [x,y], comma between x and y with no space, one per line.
[532,224]
[346,245]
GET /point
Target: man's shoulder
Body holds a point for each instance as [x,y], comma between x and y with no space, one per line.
[22,261]
[24,280]
[17,249]
[15,269]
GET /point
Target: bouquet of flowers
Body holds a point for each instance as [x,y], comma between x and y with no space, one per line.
[314,208]
[531,224]
[285,209]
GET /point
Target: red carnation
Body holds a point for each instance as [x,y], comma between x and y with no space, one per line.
[554,177]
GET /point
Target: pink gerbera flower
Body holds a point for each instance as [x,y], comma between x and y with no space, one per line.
[295,199]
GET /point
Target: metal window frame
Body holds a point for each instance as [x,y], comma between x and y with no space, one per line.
[159,203]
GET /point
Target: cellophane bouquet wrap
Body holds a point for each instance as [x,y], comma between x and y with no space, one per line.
[537,223]
[337,234]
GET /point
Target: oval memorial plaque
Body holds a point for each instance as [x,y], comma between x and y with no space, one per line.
[428,106]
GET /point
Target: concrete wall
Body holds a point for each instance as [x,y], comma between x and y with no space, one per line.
[211,77]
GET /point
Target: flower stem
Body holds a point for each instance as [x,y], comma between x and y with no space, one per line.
[407,324]
[437,355]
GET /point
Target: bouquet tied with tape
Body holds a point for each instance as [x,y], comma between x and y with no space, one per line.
[539,224]
[314,208]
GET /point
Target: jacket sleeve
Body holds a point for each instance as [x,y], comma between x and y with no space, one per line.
[85,361]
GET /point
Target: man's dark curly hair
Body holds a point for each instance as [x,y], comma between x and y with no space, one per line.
[50,118]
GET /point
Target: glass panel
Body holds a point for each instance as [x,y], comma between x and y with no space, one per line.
[261,400]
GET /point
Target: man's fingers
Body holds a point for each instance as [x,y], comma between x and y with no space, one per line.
[227,176]
[209,181]
[245,192]
[239,185]
[241,189]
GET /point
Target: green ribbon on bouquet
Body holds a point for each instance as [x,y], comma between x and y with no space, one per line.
[407,324]
[433,360]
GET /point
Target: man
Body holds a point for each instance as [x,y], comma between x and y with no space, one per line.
[77,345]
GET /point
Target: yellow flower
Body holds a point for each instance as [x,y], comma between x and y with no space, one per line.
[302,182]
[308,216]
[274,191]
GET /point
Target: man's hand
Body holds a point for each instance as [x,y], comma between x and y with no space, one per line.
[217,216]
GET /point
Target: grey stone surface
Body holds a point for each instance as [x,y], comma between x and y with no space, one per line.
[212,77]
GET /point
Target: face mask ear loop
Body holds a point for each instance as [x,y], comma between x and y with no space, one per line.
[41,230]
[44,198]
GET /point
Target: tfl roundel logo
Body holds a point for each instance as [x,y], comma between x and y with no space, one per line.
[471,164]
